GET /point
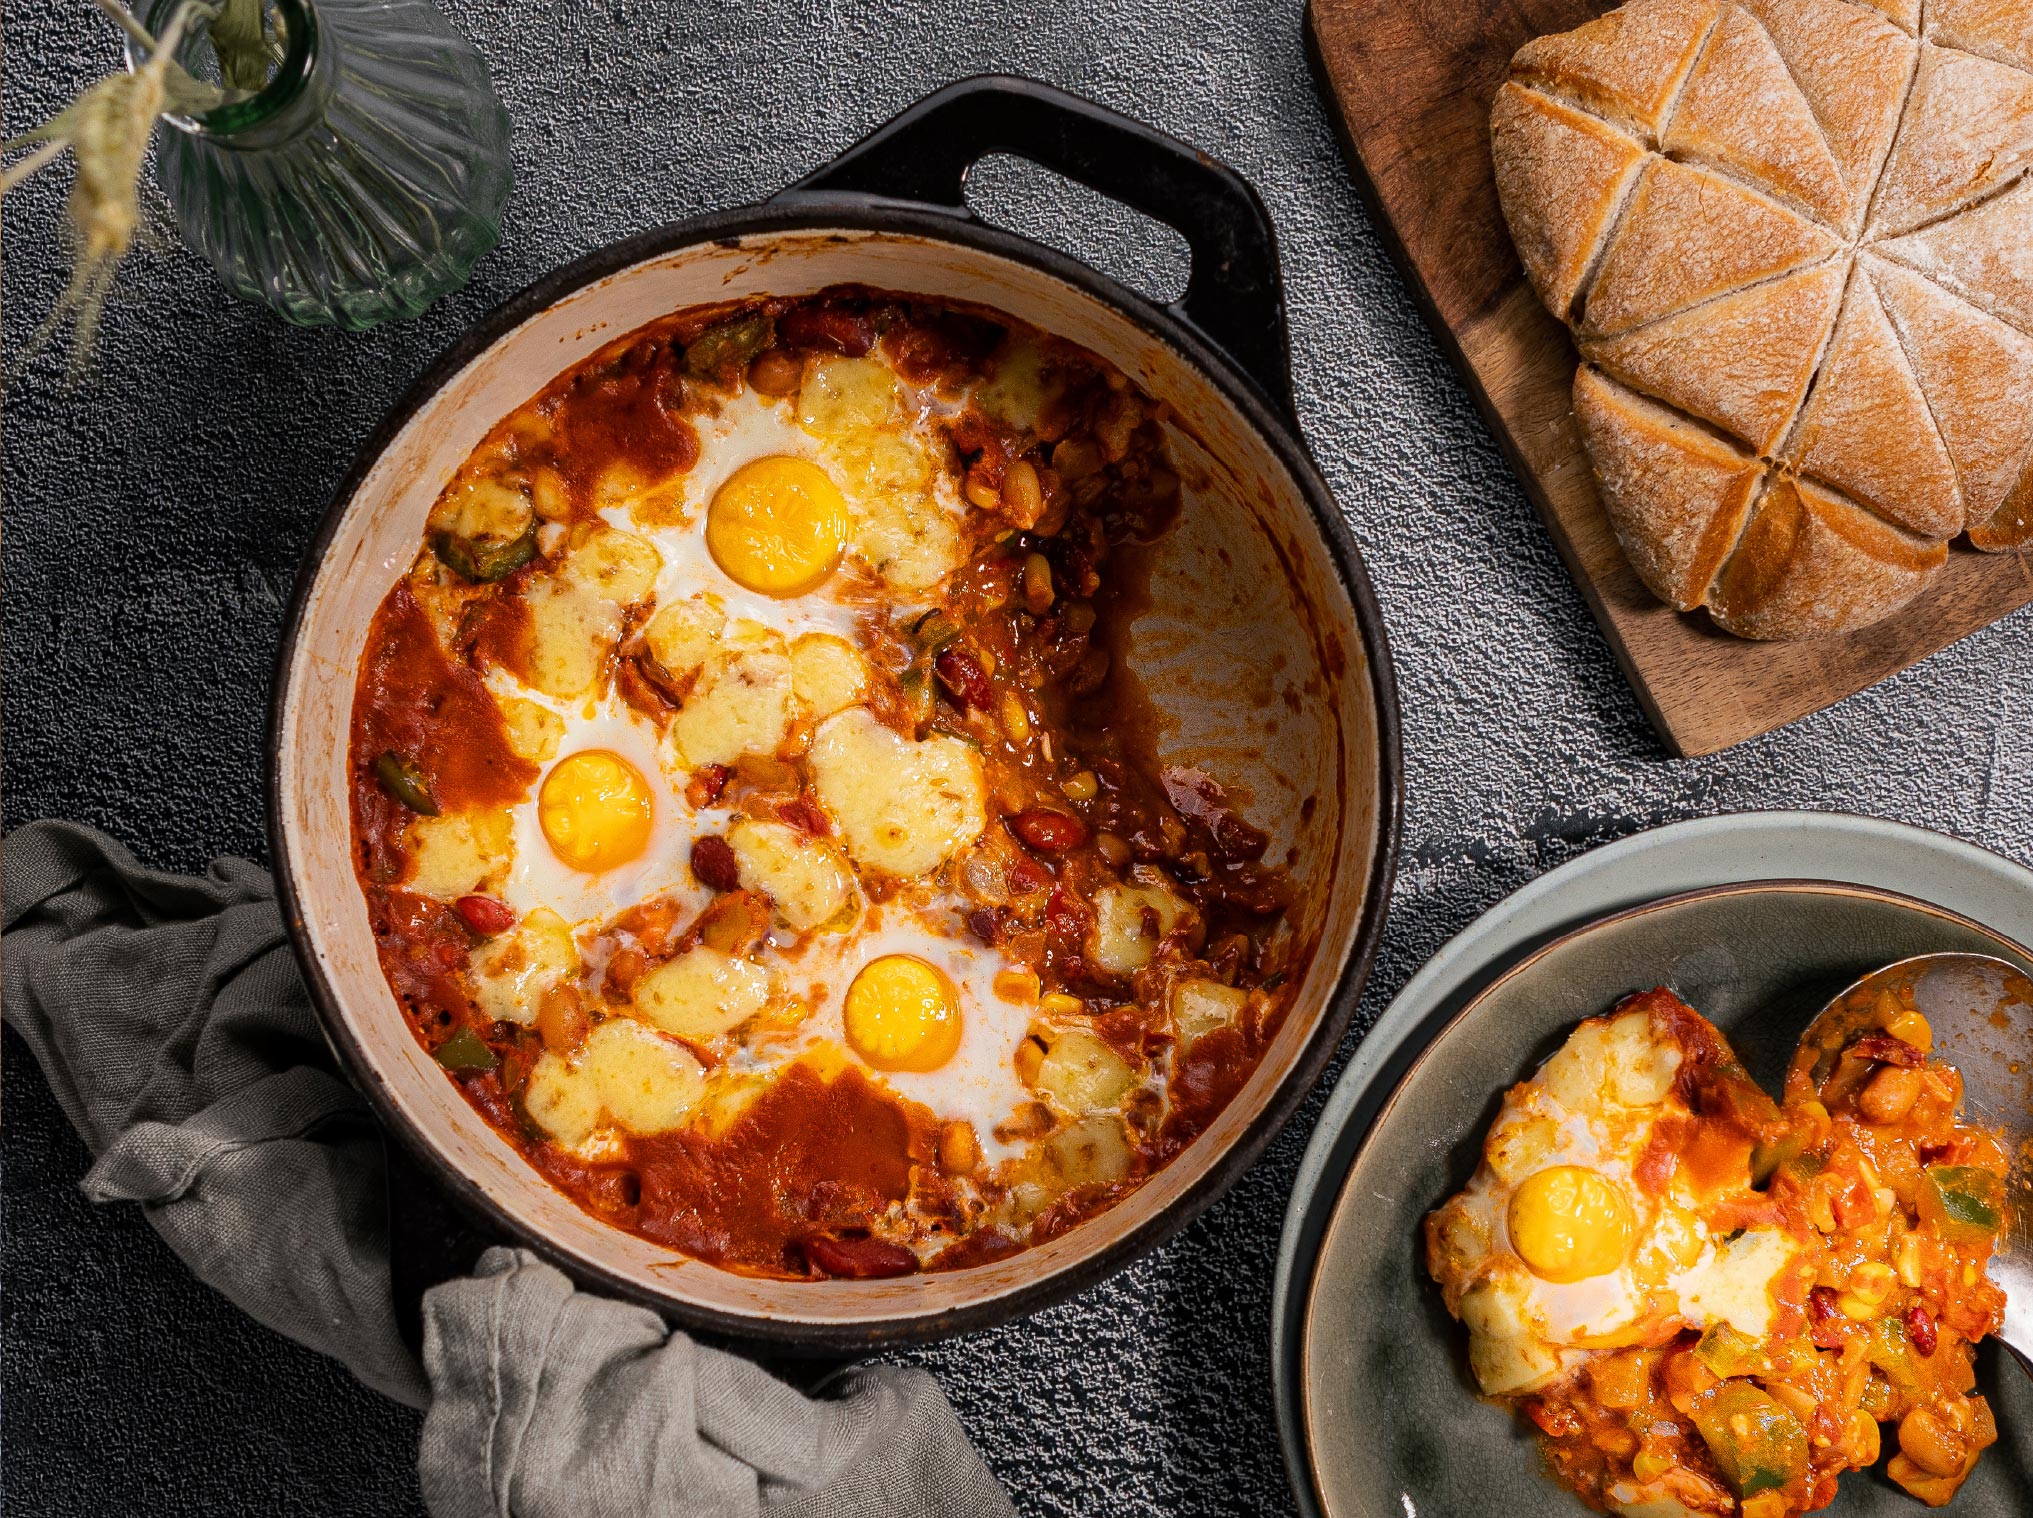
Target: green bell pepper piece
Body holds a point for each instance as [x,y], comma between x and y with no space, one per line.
[1756,1441]
[1728,1351]
[722,351]
[1966,1202]
[465,1051]
[485,560]
[1887,1347]
[402,779]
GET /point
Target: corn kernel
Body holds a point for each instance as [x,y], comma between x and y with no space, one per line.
[1028,1060]
[1911,1028]
[1856,1308]
[1820,1211]
[1038,583]
[1871,1282]
[1059,1004]
[1016,722]
[1081,787]
[1651,1464]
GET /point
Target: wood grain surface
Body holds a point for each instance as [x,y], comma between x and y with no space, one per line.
[1412,82]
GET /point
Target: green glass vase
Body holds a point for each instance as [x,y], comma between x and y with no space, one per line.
[364,180]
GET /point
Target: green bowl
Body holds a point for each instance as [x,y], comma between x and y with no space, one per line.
[1391,1423]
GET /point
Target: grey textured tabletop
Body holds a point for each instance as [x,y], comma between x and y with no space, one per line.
[156,515]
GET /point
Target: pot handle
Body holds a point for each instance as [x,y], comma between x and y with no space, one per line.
[1234,297]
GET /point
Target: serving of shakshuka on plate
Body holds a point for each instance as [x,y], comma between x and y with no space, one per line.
[758,819]
[1706,1301]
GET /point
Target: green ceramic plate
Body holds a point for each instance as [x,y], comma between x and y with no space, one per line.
[1387,1422]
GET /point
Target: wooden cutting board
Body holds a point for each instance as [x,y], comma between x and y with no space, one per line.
[1412,81]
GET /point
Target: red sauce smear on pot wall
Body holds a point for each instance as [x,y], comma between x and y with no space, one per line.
[628,408]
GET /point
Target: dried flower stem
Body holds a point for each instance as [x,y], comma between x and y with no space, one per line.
[107,129]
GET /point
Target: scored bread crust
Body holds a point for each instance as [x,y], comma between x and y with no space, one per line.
[1812,563]
[1624,66]
[1852,66]
[1985,255]
[1741,109]
[1794,239]
[2000,29]
[1689,235]
[1567,172]
[1741,361]
[1868,430]
[1676,493]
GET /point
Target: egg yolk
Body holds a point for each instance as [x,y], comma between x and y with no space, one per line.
[595,810]
[1568,1223]
[902,1014]
[777,526]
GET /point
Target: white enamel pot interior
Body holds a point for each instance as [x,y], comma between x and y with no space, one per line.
[1261,650]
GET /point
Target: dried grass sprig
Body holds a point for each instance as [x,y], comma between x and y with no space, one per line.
[242,37]
[107,130]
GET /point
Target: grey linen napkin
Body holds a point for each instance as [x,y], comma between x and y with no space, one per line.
[170,1020]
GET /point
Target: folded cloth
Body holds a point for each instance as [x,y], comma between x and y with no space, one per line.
[170,1020]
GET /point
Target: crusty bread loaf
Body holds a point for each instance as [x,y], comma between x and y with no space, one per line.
[1676,492]
[1794,239]
[1811,562]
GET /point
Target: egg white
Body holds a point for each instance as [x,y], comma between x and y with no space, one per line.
[1727,1281]
[979,1083]
[747,427]
[538,878]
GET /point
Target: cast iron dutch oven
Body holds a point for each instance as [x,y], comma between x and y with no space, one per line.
[1263,647]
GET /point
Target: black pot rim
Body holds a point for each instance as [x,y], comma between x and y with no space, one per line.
[861,213]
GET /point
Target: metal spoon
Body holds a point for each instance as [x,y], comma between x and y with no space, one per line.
[1981,1011]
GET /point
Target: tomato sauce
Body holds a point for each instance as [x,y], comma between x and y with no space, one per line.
[412,699]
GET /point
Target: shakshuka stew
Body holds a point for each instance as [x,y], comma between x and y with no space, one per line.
[757,816]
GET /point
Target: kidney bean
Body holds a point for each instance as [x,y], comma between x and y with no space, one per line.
[1063,919]
[857,1259]
[961,673]
[833,328]
[1920,1329]
[1047,831]
[484,915]
[714,863]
